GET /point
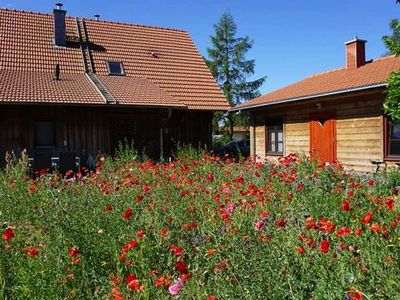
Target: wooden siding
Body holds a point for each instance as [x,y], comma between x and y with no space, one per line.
[99,129]
[358,141]
[297,138]
[359,127]
[260,141]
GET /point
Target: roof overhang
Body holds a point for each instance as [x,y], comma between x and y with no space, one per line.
[260,105]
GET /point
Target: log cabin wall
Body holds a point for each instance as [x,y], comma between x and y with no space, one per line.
[359,128]
[99,129]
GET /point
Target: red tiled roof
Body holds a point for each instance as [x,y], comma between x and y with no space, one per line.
[340,80]
[177,77]
[138,91]
[40,87]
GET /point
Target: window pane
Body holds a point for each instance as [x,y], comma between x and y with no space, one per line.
[280,147]
[394,148]
[272,136]
[280,136]
[394,140]
[273,148]
[395,132]
[115,67]
[44,134]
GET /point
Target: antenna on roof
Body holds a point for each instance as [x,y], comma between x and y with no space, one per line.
[97,17]
[57,72]
[59,6]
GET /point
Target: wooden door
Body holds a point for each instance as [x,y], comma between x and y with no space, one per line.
[323,137]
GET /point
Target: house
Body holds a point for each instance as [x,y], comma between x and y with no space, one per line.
[73,84]
[239,132]
[335,115]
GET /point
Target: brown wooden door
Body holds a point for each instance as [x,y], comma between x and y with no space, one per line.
[323,137]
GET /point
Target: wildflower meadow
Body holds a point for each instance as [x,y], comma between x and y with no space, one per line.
[200,227]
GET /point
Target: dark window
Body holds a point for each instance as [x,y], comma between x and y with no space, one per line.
[44,134]
[392,140]
[115,68]
[275,139]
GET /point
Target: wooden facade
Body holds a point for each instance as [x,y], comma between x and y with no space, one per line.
[358,127]
[95,129]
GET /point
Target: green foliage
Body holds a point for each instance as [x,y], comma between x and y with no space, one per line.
[229,66]
[126,151]
[392,42]
[209,208]
[392,101]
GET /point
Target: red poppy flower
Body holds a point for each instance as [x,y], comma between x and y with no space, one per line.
[108,208]
[280,223]
[324,246]
[355,295]
[132,244]
[375,227]
[164,232]
[133,283]
[300,186]
[310,223]
[390,204]
[32,251]
[367,218]
[73,252]
[326,225]
[116,294]
[343,231]
[127,213]
[76,261]
[140,234]
[300,250]
[177,251]
[181,267]
[346,206]
[358,231]
[159,281]
[211,297]
[8,234]
[139,198]
[147,188]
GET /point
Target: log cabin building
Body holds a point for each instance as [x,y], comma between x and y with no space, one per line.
[73,84]
[333,116]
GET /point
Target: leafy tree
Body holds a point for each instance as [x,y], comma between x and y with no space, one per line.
[392,42]
[392,101]
[231,69]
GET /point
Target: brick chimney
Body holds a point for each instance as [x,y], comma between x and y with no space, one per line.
[59,25]
[355,53]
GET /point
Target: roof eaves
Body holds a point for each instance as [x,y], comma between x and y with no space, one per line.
[338,92]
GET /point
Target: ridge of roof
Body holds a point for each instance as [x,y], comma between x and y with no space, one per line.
[103,21]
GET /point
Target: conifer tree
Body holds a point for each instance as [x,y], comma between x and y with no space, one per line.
[229,66]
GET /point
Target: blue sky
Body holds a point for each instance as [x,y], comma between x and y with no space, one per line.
[292,39]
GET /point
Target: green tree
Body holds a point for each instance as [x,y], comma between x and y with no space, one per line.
[231,69]
[392,42]
[392,101]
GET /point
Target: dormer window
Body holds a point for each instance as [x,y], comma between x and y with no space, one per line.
[115,68]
